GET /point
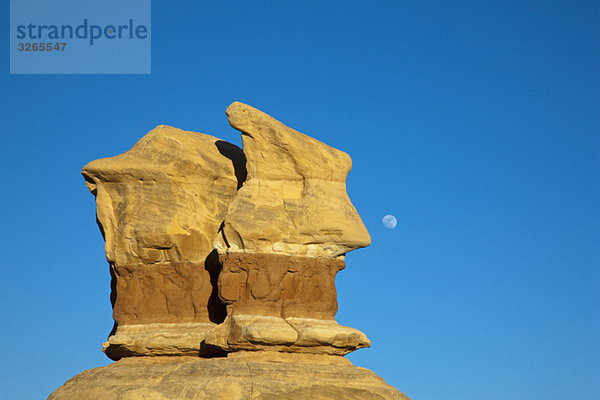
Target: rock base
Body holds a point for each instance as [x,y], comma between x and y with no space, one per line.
[183,339]
[242,375]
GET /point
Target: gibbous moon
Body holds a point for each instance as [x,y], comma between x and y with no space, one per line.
[389,221]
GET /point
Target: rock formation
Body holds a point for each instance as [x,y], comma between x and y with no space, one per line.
[283,241]
[218,252]
[159,207]
[253,376]
[294,201]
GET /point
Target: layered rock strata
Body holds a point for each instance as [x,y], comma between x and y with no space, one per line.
[283,241]
[225,261]
[285,303]
[294,200]
[159,207]
[247,377]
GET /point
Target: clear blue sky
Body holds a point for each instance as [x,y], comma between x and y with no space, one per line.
[476,124]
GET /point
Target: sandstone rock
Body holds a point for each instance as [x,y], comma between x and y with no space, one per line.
[294,201]
[281,302]
[279,285]
[298,335]
[231,274]
[247,376]
[283,241]
[159,207]
[160,340]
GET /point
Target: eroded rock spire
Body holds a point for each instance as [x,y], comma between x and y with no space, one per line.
[159,207]
[226,264]
[211,248]
[283,241]
[294,201]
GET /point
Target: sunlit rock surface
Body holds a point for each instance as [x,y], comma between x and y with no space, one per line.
[283,241]
[223,268]
[159,207]
[249,376]
[294,200]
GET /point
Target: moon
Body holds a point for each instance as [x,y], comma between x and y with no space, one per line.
[389,221]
